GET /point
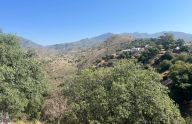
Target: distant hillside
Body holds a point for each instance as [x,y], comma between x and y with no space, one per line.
[178,35]
[82,44]
[109,46]
[95,41]
[115,43]
[28,43]
[89,43]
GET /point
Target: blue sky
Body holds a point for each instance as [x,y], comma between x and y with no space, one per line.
[58,21]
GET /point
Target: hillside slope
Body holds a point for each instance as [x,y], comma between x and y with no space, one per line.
[94,42]
[80,45]
[177,35]
[26,43]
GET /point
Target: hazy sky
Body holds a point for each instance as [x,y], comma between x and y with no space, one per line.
[56,21]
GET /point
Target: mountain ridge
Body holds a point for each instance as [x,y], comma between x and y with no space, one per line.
[97,40]
[26,43]
[178,35]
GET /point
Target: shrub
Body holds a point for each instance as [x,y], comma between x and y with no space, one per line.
[165,65]
[126,93]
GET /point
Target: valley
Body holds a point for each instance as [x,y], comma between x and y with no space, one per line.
[72,71]
[95,62]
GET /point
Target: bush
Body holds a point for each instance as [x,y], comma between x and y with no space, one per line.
[148,54]
[124,55]
[166,56]
[165,65]
[126,93]
[185,57]
[184,49]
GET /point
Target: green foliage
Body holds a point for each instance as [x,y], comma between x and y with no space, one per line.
[188,120]
[166,56]
[22,81]
[184,49]
[107,57]
[98,61]
[124,55]
[185,57]
[166,40]
[148,54]
[124,94]
[143,42]
[180,42]
[181,74]
[165,65]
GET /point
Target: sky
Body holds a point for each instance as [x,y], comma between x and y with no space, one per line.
[59,21]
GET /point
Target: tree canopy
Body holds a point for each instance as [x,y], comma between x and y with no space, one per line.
[181,74]
[22,82]
[126,93]
[148,54]
[166,40]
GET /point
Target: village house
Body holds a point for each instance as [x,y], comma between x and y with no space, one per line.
[135,49]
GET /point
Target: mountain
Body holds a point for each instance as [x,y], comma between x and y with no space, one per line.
[25,43]
[89,43]
[82,44]
[178,35]
[108,47]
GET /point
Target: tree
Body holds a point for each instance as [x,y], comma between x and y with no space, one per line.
[165,65]
[166,56]
[126,93]
[180,42]
[22,81]
[166,40]
[148,54]
[181,74]
[185,57]
[124,55]
[184,49]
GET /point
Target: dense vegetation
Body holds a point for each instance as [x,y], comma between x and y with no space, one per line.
[126,93]
[177,61]
[170,57]
[22,82]
[123,87]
